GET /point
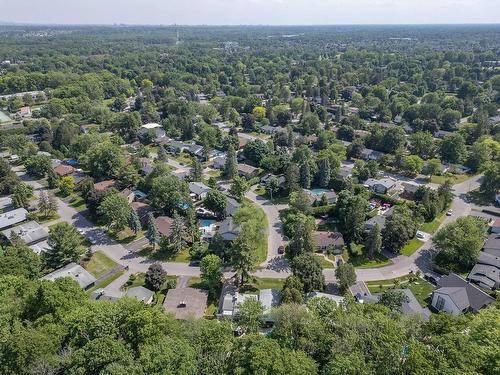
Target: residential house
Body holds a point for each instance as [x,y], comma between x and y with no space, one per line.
[242,142]
[176,147]
[331,297]
[105,185]
[229,229]
[232,206]
[409,189]
[140,293]
[247,171]
[185,303]
[63,170]
[40,247]
[378,219]
[11,218]
[268,129]
[219,162]
[198,190]
[486,272]
[129,194]
[442,133]
[231,301]
[456,296]
[195,150]
[30,232]
[142,209]
[369,154]
[412,307]
[78,176]
[75,272]
[164,225]
[24,112]
[281,180]
[328,242]
[344,173]
[151,125]
[182,174]
[381,186]
[492,244]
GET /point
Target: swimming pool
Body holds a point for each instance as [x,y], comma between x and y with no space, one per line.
[319,191]
[205,223]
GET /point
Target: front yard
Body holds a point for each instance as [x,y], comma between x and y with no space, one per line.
[360,260]
[411,247]
[99,264]
[419,287]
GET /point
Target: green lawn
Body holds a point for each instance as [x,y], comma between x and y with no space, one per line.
[182,158]
[454,178]
[420,288]
[411,247]
[360,260]
[78,203]
[99,263]
[38,217]
[432,226]
[276,199]
[125,236]
[324,263]
[104,283]
[182,257]
[268,283]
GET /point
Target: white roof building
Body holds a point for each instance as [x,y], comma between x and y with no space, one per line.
[151,125]
[13,217]
[75,272]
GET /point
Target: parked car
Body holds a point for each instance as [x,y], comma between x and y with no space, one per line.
[420,235]
[449,212]
[281,249]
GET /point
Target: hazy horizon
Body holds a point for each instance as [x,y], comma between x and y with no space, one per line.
[252,12]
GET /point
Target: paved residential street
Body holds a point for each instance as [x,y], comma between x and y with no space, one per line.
[275,266]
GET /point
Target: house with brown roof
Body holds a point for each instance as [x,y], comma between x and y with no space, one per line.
[247,171]
[105,185]
[142,209]
[328,241]
[164,225]
[63,170]
[24,111]
[129,194]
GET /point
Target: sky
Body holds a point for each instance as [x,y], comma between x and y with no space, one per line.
[250,12]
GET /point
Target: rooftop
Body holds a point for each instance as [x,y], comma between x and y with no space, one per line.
[75,272]
[13,217]
[186,302]
[30,232]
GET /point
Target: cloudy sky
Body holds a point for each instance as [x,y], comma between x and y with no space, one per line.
[231,12]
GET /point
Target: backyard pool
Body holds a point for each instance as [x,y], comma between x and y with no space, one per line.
[319,191]
[206,223]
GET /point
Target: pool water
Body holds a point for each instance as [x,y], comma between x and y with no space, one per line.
[319,191]
[205,223]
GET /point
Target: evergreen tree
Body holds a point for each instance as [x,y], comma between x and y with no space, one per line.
[324,173]
[192,229]
[152,233]
[52,205]
[134,222]
[52,179]
[43,204]
[177,230]
[373,241]
[305,176]
[231,166]
[292,175]
[162,154]
[65,245]
[196,170]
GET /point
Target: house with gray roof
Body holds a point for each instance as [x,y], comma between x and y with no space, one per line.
[141,294]
[412,307]
[486,272]
[6,204]
[30,232]
[232,206]
[75,272]
[456,296]
[11,218]
[229,229]
[381,186]
[198,190]
[378,219]
[492,244]
[369,154]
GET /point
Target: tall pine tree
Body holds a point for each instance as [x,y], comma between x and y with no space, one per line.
[231,166]
[152,233]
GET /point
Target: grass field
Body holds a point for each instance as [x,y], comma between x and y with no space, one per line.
[268,283]
[360,260]
[182,257]
[104,283]
[411,247]
[127,235]
[420,288]
[324,263]
[454,178]
[99,264]
[432,226]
